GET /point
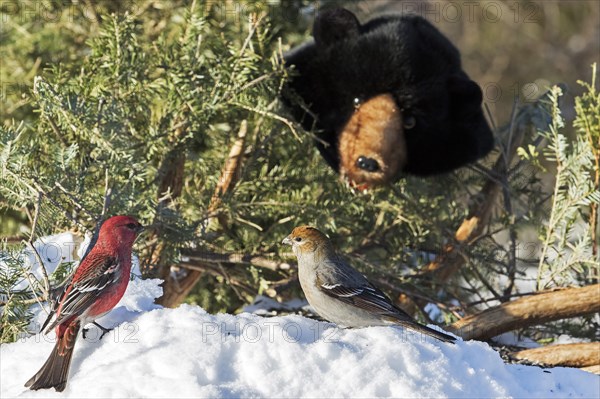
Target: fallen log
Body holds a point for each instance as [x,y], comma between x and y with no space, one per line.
[595,369]
[529,311]
[568,355]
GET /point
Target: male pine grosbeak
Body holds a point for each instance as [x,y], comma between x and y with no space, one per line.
[341,294]
[94,289]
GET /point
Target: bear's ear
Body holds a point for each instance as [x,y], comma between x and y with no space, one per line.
[334,25]
[465,91]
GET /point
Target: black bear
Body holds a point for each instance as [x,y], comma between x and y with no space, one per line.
[386,98]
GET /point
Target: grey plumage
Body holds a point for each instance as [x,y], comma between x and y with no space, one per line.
[341,294]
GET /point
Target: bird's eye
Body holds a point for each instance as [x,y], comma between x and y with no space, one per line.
[357,102]
[409,122]
[131,226]
[298,239]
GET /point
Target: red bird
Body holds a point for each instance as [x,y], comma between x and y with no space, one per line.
[95,288]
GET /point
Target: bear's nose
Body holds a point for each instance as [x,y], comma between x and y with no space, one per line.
[367,164]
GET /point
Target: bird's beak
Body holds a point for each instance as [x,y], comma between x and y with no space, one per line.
[287,240]
[139,229]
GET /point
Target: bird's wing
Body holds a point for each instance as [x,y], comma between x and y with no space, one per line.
[339,280]
[100,272]
[366,297]
[55,296]
[348,285]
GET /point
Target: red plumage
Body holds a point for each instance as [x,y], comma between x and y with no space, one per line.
[95,288]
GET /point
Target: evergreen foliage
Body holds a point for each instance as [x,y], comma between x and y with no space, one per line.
[141,90]
[567,251]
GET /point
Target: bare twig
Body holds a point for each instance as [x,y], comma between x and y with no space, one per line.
[229,281]
[56,130]
[36,299]
[32,284]
[73,199]
[271,115]
[280,286]
[107,195]
[217,270]
[486,300]
[246,259]
[34,250]
[512,253]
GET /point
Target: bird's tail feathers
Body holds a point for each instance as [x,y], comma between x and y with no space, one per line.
[55,372]
[426,330]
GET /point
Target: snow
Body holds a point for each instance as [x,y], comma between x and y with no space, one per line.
[511,338]
[185,352]
[265,306]
[155,352]
[53,251]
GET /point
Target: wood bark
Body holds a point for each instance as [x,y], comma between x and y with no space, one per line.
[528,311]
[568,355]
[595,369]
[169,189]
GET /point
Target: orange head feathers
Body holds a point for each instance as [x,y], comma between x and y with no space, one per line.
[307,239]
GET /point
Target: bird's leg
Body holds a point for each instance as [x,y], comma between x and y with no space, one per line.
[84,331]
[104,329]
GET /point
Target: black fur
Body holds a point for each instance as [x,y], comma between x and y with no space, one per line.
[404,56]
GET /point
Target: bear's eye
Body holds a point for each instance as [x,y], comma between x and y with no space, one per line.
[357,102]
[367,164]
[409,122]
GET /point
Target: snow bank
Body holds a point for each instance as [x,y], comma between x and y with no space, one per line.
[185,352]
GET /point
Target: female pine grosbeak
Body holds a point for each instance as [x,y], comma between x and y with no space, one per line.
[341,294]
[94,289]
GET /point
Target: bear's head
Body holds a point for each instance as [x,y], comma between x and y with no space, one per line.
[386,98]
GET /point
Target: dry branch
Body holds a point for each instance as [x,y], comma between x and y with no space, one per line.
[231,170]
[529,311]
[194,257]
[176,289]
[569,355]
[216,269]
[30,244]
